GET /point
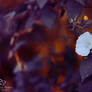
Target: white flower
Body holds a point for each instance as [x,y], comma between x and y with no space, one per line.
[84,44]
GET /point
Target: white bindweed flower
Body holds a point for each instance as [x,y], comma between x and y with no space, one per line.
[84,44]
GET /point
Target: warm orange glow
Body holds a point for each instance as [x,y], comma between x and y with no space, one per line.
[53,59]
[60,79]
[29,29]
[57,59]
[91,51]
[43,50]
[55,89]
[59,47]
[85,18]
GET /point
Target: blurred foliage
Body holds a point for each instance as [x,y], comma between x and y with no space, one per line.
[37,45]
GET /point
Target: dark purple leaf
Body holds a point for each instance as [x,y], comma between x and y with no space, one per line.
[48,17]
[30,21]
[35,79]
[86,67]
[19,79]
[88,26]
[42,85]
[87,87]
[73,9]
[82,2]
[34,65]
[4,27]
[41,3]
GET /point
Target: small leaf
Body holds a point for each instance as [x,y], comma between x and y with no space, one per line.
[86,87]
[86,67]
[41,3]
[48,17]
[30,21]
[73,9]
